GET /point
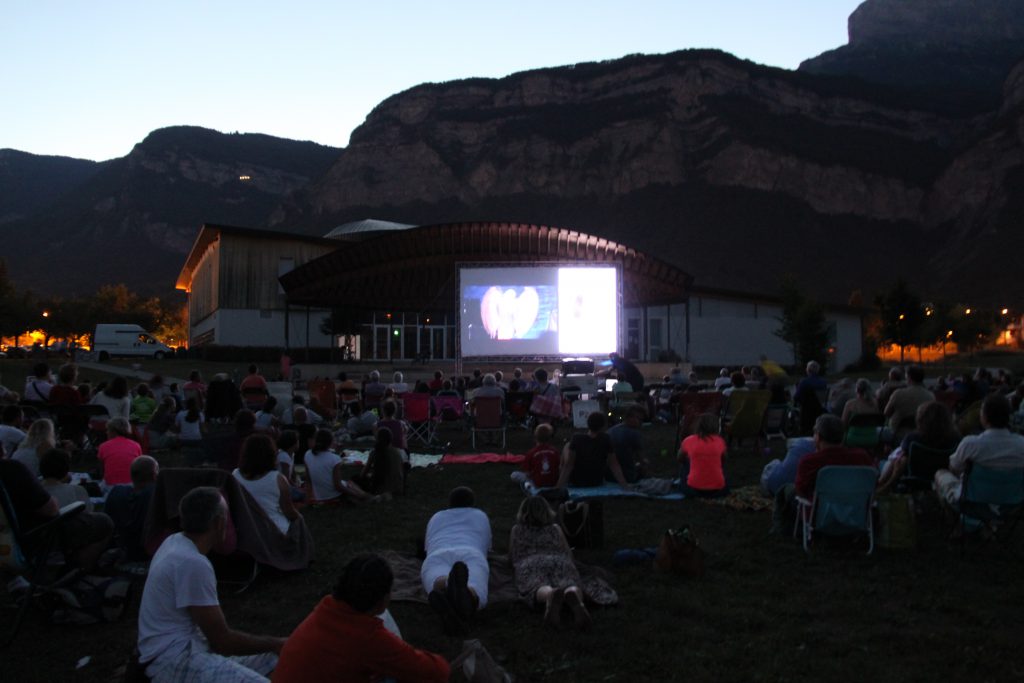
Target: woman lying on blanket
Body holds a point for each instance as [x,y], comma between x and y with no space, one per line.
[700,458]
[544,570]
[323,466]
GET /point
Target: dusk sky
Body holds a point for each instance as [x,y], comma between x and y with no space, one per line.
[92,79]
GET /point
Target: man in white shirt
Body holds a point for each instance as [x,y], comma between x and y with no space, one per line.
[183,635]
[455,571]
[38,385]
[997,447]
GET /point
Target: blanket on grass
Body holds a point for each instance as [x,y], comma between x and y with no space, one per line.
[351,457]
[595,581]
[612,490]
[744,498]
[476,458]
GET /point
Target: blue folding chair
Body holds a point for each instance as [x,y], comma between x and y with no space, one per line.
[991,498]
[841,505]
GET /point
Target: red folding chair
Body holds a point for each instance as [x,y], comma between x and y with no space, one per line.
[488,417]
[419,417]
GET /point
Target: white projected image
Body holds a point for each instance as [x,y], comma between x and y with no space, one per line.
[543,310]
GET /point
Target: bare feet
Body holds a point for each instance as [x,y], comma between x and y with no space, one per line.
[553,607]
[580,614]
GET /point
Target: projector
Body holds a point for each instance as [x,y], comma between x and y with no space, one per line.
[577,366]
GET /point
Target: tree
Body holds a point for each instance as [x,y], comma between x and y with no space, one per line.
[803,325]
[902,317]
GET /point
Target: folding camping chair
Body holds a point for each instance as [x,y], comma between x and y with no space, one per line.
[991,498]
[864,431]
[841,506]
[26,553]
[419,417]
[922,464]
[774,424]
[694,404]
[517,408]
[488,416]
[745,415]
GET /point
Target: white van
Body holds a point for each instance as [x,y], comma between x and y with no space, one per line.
[115,339]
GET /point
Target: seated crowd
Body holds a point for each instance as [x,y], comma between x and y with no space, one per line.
[284,457]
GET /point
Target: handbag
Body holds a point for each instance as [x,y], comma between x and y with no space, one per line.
[583,523]
[680,553]
[548,404]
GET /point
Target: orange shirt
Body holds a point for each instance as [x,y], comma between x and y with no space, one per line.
[705,462]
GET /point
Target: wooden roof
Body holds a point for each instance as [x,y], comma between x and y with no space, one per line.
[417,269]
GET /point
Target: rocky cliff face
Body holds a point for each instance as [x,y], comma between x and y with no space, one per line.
[937,22]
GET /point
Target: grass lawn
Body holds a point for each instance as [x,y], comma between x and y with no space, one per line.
[765,611]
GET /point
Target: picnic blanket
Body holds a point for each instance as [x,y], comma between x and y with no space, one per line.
[476,458]
[744,498]
[351,457]
[612,490]
[595,581]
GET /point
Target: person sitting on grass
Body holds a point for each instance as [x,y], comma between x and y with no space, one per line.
[586,456]
[541,463]
[54,467]
[700,459]
[627,442]
[258,474]
[455,572]
[183,635]
[117,453]
[287,447]
[266,421]
[143,404]
[128,506]
[65,393]
[324,466]
[545,573]
[345,637]
[398,428]
[40,438]
[115,398]
[382,475]
[158,431]
[362,421]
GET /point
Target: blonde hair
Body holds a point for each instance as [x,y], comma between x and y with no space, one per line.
[40,433]
[535,511]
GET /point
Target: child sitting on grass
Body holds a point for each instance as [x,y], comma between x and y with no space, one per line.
[540,468]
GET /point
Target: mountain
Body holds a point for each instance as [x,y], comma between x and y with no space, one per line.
[31,182]
[956,52]
[135,218]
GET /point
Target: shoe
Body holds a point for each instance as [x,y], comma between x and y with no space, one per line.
[457,591]
[450,621]
[553,609]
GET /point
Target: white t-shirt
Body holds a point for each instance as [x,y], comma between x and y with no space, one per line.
[37,389]
[28,457]
[264,420]
[320,469]
[179,577]
[459,528]
[265,491]
[189,431]
[116,407]
[10,439]
[283,458]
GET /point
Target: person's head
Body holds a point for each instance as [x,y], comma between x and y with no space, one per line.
[438,375]
[202,511]
[143,471]
[55,464]
[41,371]
[490,380]
[195,376]
[995,412]
[446,385]
[298,400]
[269,405]
[738,380]
[13,415]
[541,375]
[813,368]
[476,373]
[142,389]
[118,388]
[498,376]
[253,369]
[863,387]
[707,426]
[323,440]
[724,372]
[517,373]
[915,374]
[597,421]
[543,433]
[635,416]
[397,377]
[692,377]
[374,376]
[300,415]
[896,374]
[156,381]
[245,421]
[118,426]
[258,456]
[934,420]
[828,431]
[534,511]
[461,497]
[389,409]
[365,584]
[288,441]
[41,434]
[85,391]
[67,374]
